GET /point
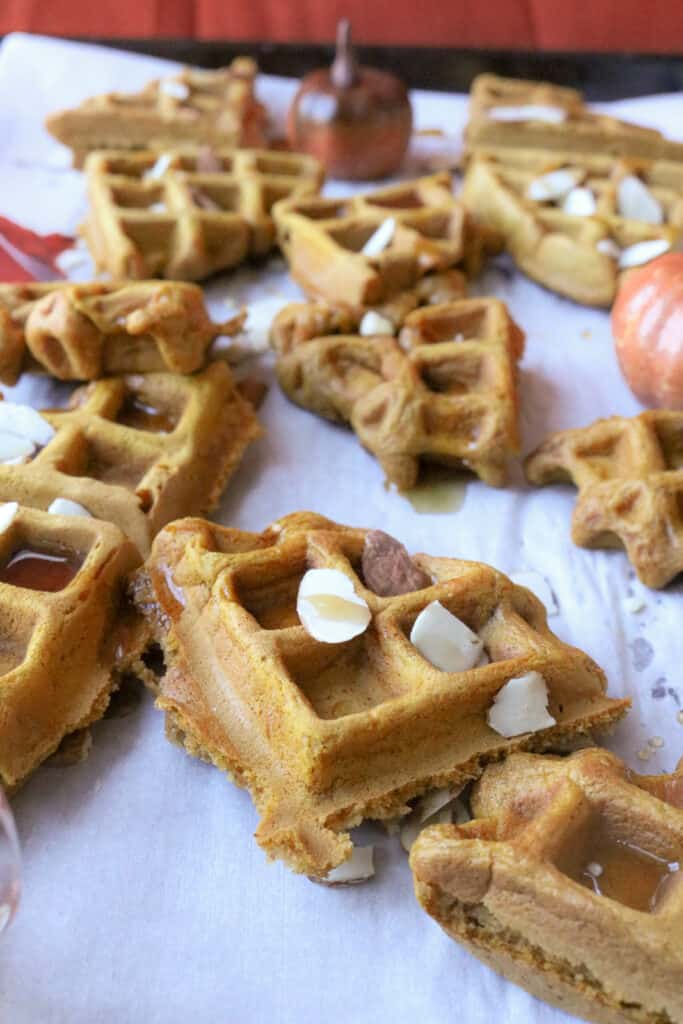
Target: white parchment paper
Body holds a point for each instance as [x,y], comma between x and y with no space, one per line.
[145,897]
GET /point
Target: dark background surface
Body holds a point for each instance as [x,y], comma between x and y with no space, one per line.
[600,76]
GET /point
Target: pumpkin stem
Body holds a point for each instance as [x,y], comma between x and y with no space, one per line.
[344,70]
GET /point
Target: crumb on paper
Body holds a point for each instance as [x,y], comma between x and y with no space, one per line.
[656,742]
[586,333]
[679,717]
[644,755]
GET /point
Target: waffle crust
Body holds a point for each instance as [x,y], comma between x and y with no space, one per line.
[444,391]
[561,251]
[630,478]
[503,887]
[219,109]
[58,653]
[324,735]
[87,331]
[205,212]
[581,130]
[125,470]
[322,240]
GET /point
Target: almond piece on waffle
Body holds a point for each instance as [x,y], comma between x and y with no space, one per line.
[215,108]
[87,331]
[514,113]
[567,883]
[444,391]
[427,229]
[325,734]
[62,580]
[139,450]
[630,478]
[188,213]
[573,222]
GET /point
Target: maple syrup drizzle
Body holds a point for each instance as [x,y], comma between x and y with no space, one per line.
[142,415]
[625,872]
[438,492]
[40,570]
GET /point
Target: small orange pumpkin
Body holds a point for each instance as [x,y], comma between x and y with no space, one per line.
[647,324]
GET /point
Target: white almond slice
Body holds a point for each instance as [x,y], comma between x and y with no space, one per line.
[609,247]
[643,252]
[157,208]
[553,185]
[358,868]
[520,706]
[580,202]
[14,449]
[446,642]
[428,805]
[634,603]
[375,323]
[162,164]
[636,202]
[528,112]
[25,422]
[329,608]
[539,586]
[8,513]
[380,239]
[173,88]
[66,507]
[413,826]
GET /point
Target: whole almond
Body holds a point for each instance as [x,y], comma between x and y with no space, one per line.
[387,567]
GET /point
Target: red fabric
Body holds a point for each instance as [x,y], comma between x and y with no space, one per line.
[43,249]
[527,24]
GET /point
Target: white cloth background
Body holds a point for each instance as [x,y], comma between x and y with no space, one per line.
[145,897]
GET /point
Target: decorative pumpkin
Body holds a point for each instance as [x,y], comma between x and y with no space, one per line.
[356,120]
[647,324]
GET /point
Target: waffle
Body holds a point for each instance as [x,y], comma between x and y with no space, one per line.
[188,213]
[86,331]
[630,478]
[566,253]
[324,734]
[58,647]
[579,130]
[140,450]
[216,108]
[322,240]
[444,391]
[562,884]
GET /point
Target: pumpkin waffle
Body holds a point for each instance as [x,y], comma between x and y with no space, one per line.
[630,478]
[216,108]
[61,583]
[87,331]
[567,883]
[444,391]
[514,113]
[323,240]
[188,213]
[580,256]
[327,734]
[139,450]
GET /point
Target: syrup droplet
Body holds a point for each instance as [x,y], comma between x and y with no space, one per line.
[627,873]
[40,570]
[439,492]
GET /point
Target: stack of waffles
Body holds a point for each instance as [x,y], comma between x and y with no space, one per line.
[366,249]
[216,108]
[579,198]
[189,212]
[86,487]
